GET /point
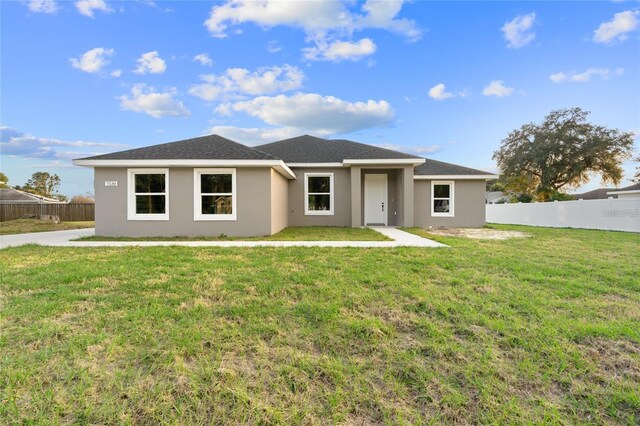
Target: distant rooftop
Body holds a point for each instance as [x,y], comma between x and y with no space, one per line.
[14,196]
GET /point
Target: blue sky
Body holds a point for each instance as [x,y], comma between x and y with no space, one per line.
[447,80]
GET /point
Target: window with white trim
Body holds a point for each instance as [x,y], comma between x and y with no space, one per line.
[318,193]
[214,194]
[442,198]
[148,194]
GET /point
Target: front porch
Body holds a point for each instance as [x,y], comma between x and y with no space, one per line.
[382,195]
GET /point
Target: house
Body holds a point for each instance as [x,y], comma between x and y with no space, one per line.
[595,194]
[14,196]
[211,185]
[631,192]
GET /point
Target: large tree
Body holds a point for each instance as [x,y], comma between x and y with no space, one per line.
[42,183]
[563,151]
[4,180]
[636,177]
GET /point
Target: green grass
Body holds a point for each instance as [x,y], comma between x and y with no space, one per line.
[544,329]
[21,226]
[292,233]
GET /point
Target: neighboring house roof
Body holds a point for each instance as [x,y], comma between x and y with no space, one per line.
[14,196]
[310,149]
[440,168]
[596,194]
[495,196]
[632,189]
[205,147]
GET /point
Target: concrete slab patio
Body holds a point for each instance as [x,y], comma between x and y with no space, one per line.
[62,239]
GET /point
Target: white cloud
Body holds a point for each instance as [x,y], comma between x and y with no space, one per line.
[43,6]
[255,136]
[238,81]
[145,99]
[585,76]
[273,47]
[324,22]
[439,92]
[419,150]
[618,28]
[150,62]
[87,7]
[497,88]
[16,143]
[204,59]
[314,17]
[116,73]
[92,61]
[428,149]
[518,31]
[320,114]
[340,50]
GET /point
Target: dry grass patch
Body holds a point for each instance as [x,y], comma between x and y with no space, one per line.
[478,233]
[22,226]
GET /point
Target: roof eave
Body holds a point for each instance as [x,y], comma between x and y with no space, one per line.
[456,177]
[380,161]
[632,191]
[278,165]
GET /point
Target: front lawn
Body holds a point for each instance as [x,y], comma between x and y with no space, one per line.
[292,233]
[22,226]
[544,329]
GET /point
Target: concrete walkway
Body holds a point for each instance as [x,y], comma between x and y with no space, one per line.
[62,239]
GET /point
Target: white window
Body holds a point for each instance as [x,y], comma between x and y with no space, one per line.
[442,198]
[318,193]
[148,194]
[214,194]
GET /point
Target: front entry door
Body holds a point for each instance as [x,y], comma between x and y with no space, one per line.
[375,199]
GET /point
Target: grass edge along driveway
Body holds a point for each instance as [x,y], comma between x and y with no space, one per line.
[25,226]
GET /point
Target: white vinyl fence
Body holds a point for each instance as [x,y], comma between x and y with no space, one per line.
[611,214]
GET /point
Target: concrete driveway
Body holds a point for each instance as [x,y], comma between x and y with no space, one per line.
[53,238]
[61,239]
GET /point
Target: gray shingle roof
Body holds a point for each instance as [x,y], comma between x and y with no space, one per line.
[633,187]
[433,167]
[595,194]
[205,147]
[301,149]
[310,149]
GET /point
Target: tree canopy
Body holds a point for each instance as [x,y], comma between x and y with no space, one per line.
[3,180]
[83,199]
[45,184]
[563,151]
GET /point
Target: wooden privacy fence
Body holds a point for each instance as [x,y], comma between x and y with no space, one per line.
[66,212]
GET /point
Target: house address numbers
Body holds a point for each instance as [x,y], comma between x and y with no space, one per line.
[110,183]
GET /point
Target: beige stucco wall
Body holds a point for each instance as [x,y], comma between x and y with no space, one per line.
[341,198]
[279,202]
[469,205]
[253,206]
[267,203]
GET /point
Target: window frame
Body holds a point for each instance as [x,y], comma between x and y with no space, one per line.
[197,195]
[131,194]
[451,198]
[308,212]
